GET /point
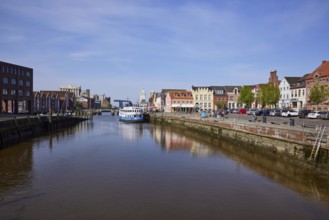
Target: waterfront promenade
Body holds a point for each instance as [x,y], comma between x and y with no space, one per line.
[270,120]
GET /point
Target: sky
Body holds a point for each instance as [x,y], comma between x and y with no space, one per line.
[118,47]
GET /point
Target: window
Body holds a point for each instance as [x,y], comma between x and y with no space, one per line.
[28,93]
[201,97]
[5,92]
[231,98]
[20,92]
[28,83]
[209,97]
[21,82]
[205,105]
[196,97]
[28,73]
[5,80]
[13,81]
[209,105]
[13,92]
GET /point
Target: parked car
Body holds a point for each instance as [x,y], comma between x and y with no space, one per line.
[325,116]
[289,113]
[265,112]
[315,114]
[242,111]
[275,112]
[234,111]
[251,111]
[303,113]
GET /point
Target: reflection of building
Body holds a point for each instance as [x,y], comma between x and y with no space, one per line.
[174,141]
[131,131]
[16,83]
[16,166]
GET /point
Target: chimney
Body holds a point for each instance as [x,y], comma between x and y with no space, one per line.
[324,61]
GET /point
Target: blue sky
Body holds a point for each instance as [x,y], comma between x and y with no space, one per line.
[118,47]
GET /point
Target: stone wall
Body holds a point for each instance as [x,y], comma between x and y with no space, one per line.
[294,144]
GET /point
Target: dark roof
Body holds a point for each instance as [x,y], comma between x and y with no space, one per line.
[231,88]
[167,90]
[292,80]
[200,87]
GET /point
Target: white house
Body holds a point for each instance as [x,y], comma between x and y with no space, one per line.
[285,91]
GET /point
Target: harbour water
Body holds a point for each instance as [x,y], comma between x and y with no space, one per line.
[106,169]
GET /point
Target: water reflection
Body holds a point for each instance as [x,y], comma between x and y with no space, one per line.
[306,182]
[157,173]
[16,165]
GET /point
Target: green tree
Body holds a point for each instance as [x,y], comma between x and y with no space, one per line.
[261,95]
[269,94]
[319,94]
[246,96]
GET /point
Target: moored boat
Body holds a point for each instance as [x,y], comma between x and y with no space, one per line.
[133,114]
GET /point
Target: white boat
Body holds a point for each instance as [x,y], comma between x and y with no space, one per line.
[133,114]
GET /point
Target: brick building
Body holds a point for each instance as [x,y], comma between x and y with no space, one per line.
[319,76]
[16,88]
[56,101]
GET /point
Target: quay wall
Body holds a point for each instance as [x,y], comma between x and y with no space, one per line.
[15,129]
[290,143]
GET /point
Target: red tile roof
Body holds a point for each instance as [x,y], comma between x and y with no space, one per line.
[322,70]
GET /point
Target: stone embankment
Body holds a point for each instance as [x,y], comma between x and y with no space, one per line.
[292,143]
[12,130]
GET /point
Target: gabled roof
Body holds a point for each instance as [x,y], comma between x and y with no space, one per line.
[321,71]
[231,88]
[292,80]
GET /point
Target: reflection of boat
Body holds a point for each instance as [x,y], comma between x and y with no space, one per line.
[133,114]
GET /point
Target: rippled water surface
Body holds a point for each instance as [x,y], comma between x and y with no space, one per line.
[105,169]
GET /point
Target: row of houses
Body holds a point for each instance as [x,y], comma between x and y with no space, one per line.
[294,94]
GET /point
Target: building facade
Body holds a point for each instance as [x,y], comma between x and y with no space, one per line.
[298,94]
[53,101]
[233,93]
[219,97]
[16,88]
[203,97]
[75,89]
[179,101]
[285,91]
[320,76]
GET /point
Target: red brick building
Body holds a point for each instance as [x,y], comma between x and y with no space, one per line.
[56,101]
[16,88]
[319,76]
